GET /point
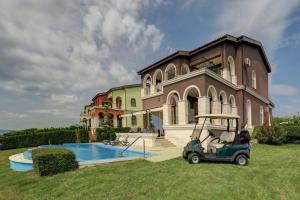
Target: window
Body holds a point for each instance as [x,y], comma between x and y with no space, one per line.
[170,72]
[184,69]
[261,115]
[133,102]
[133,120]
[147,84]
[157,80]
[119,102]
[253,79]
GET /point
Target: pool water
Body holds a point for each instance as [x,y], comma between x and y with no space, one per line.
[86,153]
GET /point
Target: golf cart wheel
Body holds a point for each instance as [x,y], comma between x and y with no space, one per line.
[241,160]
[194,158]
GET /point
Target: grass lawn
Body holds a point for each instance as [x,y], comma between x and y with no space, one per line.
[273,173]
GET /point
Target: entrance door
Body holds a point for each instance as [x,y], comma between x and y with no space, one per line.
[119,121]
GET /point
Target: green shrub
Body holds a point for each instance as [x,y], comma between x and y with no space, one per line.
[293,132]
[273,134]
[38,138]
[106,133]
[53,160]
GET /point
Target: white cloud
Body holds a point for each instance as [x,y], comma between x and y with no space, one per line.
[264,20]
[64,52]
[57,47]
[283,90]
[64,99]
[12,115]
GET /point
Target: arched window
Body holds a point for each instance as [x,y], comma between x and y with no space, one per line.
[232,110]
[185,69]
[261,114]
[147,82]
[170,72]
[119,102]
[157,80]
[172,100]
[133,102]
[249,114]
[231,67]
[133,120]
[213,97]
[253,79]
[191,95]
[101,118]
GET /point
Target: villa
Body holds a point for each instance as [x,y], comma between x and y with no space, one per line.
[116,101]
[228,75]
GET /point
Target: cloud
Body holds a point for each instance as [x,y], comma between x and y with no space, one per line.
[11,115]
[283,90]
[56,47]
[64,99]
[58,54]
[46,111]
[264,20]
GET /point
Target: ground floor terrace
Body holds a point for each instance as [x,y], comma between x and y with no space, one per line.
[172,110]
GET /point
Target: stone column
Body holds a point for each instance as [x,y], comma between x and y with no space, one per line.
[166,114]
[216,109]
[226,110]
[203,107]
[142,92]
[233,79]
[226,74]
[182,112]
[152,89]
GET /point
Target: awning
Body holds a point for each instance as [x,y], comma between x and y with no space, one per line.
[141,112]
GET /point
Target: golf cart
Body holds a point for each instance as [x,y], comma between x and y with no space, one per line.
[218,143]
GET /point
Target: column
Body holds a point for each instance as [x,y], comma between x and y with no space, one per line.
[152,89]
[216,109]
[142,92]
[203,107]
[226,110]
[226,74]
[166,114]
[233,79]
[182,112]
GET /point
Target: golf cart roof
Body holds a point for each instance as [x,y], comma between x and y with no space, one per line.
[218,116]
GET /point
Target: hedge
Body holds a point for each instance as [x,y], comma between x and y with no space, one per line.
[53,160]
[42,138]
[293,132]
[273,134]
[35,130]
[83,136]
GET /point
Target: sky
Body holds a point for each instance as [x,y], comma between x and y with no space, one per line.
[55,55]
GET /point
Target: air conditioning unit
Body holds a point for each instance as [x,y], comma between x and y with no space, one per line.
[247,62]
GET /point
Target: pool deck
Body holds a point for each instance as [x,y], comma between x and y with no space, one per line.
[19,158]
[161,153]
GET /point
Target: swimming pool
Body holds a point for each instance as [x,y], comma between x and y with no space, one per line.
[86,154]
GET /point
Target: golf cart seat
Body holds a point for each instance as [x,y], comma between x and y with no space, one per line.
[219,142]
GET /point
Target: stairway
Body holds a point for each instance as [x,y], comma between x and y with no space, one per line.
[162,142]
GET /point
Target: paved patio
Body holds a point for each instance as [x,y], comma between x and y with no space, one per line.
[163,153]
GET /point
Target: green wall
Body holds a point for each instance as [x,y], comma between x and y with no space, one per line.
[126,94]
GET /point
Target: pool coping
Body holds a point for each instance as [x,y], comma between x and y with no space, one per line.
[19,158]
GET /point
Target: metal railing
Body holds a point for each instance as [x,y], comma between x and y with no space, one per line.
[129,145]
